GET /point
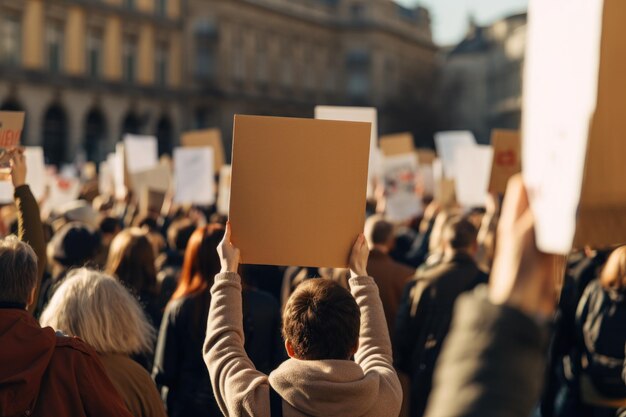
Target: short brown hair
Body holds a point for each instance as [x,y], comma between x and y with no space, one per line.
[131,260]
[321,321]
[18,270]
[460,233]
[378,231]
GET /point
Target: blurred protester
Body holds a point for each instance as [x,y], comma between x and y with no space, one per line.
[416,255]
[597,388]
[321,327]
[494,357]
[179,369]
[43,374]
[150,225]
[131,260]
[109,227]
[75,245]
[426,312]
[98,309]
[390,276]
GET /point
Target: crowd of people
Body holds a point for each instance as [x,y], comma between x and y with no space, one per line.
[107,311]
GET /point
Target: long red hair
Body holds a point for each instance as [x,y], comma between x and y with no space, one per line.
[201,262]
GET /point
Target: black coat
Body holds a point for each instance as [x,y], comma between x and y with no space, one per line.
[179,368]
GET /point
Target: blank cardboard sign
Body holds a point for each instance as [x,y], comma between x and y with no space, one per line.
[298,189]
[207,137]
[573,123]
[397,144]
[507,160]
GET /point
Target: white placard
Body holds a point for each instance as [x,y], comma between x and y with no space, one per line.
[157,179]
[223,193]
[427,179]
[6,192]
[142,152]
[446,142]
[400,180]
[36,171]
[116,162]
[358,114]
[473,171]
[106,183]
[560,89]
[193,176]
[62,190]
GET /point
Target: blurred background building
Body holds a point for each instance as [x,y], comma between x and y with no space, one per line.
[88,71]
[481,78]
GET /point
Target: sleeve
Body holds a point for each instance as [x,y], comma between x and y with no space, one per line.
[166,363]
[240,390]
[99,396]
[492,363]
[30,228]
[375,354]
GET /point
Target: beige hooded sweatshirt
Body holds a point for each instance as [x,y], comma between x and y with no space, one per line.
[367,387]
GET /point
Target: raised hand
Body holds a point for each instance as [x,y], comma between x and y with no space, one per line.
[358,257]
[229,254]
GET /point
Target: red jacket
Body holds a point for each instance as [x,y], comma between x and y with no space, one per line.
[42,374]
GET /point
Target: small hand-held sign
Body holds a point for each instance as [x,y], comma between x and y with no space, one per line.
[507,147]
[11,125]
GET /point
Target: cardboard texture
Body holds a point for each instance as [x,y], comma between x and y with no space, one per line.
[446,142]
[359,114]
[11,125]
[444,189]
[397,144]
[473,170]
[223,192]
[287,206]
[208,137]
[425,156]
[193,176]
[400,180]
[151,201]
[507,158]
[573,147]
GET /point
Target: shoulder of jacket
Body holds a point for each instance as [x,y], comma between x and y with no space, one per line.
[69,343]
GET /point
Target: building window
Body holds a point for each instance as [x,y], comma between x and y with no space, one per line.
[54,40]
[287,67]
[129,4]
[357,10]
[130,59]
[161,63]
[205,39]
[262,72]
[94,53]
[239,65]
[10,40]
[358,85]
[161,7]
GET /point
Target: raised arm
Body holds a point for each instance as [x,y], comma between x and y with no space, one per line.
[374,354]
[240,390]
[30,228]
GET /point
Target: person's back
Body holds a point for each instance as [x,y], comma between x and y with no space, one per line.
[420,335]
[323,326]
[42,373]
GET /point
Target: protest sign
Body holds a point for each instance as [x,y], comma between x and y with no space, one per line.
[444,188]
[358,114]
[140,153]
[35,171]
[11,125]
[106,184]
[298,189]
[400,180]
[62,190]
[573,147]
[426,180]
[6,192]
[223,192]
[507,147]
[446,143]
[116,162]
[151,201]
[207,137]
[397,144]
[425,156]
[472,164]
[193,176]
[157,178]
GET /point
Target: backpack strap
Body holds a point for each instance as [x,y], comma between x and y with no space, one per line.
[276,403]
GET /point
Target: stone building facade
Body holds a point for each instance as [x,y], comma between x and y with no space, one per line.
[481,78]
[88,71]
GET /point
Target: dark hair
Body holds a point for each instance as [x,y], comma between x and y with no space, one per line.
[179,232]
[131,260]
[18,270]
[460,233]
[378,230]
[322,321]
[201,262]
[110,225]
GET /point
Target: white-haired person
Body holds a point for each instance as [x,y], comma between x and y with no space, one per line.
[97,308]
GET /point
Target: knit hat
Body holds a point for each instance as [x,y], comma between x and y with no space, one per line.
[75,244]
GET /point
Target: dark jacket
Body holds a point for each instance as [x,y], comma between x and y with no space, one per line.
[42,374]
[424,320]
[179,368]
[30,229]
[391,278]
[492,362]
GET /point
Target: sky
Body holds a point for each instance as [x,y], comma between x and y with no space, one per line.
[450,17]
